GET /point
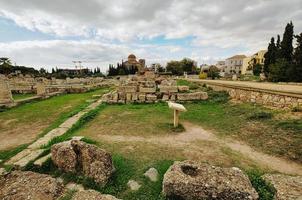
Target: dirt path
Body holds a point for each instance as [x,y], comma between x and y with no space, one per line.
[195,133]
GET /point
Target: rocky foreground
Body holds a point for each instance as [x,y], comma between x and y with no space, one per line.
[185,180]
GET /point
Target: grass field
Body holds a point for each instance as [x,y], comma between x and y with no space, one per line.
[24,123]
[140,136]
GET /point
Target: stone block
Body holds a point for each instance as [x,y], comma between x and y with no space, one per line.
[151,97]
[183,88]
[128,97]
[168,89]
[165,97]
[192,96]
[127,89]
[5,92]
[134,97]
[142,97]
[147,89]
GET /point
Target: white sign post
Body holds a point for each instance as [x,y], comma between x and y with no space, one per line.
[177,108]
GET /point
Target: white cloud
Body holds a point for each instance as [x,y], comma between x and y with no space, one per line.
[216,26]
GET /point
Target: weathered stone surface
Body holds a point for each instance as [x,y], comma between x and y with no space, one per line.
[192,96]
[128,97]
[19,185]
[166,82]
[189,180]
[142,97]
[168,89]
[5,92]
[165,97]
[134,97]
[133,185]
[2,171]
[74,186]
[287,187]
[147,89]
[41,89]
[151,97]
[77,156]
[183,88]
[152,174]
[127,89]
[64,157]
[92,195]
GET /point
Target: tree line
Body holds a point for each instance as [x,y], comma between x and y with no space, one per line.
[121,69]
[7,68]
[283,62]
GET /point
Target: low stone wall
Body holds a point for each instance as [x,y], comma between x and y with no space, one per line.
[146,89]
[263,97]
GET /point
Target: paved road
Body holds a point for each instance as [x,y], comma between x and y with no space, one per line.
[284,88]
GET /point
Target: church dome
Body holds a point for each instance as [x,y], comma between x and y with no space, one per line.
[131,56]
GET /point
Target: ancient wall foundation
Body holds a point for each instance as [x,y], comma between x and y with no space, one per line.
[263,97]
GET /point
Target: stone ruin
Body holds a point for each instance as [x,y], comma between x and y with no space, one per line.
[79,157]
[191,180]
[151,89]
[5,93]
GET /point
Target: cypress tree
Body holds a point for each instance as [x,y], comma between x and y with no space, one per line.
[287,48]
[270,56]
[298,58]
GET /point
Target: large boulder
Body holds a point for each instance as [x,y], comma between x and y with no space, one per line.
[192,181]
[86,159]
[92,195]
[19,185]
[64,156]
[287,187]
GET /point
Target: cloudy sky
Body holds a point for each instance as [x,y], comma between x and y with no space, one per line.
[44,33]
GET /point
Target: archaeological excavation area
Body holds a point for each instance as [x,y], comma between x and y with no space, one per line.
[116,138]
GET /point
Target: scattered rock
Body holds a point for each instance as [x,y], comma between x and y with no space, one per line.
[152,174]
[183,88]
[189,180]
[74,186]
[133,185]
[29,185]
[2,171]
[80,157]
[287,187]
[92,195]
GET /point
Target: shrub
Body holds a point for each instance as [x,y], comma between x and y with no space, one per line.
[218,96]
[203,75]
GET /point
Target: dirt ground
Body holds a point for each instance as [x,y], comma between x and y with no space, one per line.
[197,143]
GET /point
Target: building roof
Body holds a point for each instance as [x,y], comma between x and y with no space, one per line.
[237,57]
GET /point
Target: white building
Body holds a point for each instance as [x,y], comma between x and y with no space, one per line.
[233,65]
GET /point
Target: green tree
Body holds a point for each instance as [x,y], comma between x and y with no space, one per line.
[298,59]
[257,68]
[278,70]
[287,48]
[213,72]
[175,67]
[270,56]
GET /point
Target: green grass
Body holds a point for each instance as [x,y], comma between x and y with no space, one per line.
[81,122]
[192,85]
[5,155]
[37,118]
[265,190]
[22,96]
[126,169]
